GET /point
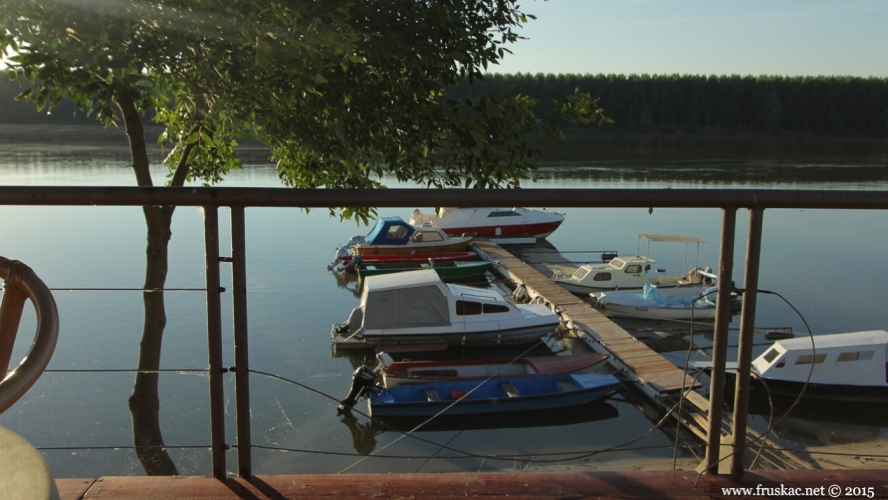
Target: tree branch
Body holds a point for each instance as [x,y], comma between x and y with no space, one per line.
[181,172]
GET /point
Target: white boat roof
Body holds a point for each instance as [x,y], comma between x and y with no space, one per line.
[851,339]
[401,280]
[672,238]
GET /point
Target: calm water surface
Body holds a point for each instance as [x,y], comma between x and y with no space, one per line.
[825,262]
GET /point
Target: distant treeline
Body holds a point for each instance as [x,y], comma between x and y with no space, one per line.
[834,105]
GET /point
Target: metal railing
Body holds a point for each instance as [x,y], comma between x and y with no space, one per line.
[728,200]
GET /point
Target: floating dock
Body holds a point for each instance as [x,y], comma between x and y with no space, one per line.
[655,376]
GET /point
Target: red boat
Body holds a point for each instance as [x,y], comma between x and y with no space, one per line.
[492,222]
[415,372]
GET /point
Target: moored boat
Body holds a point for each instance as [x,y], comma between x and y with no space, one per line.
[495,395]
[414,372]
[391,235]
[445,269]
[492,222]
[416,307]
[843,366]
[632,272]
[654,303]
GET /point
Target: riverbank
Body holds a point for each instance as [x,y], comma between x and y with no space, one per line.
[582,146]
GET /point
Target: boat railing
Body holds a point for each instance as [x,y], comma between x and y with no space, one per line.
[211,199]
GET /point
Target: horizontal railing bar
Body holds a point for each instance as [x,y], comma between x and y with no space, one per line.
[129,289]
[308,198]
[124,370]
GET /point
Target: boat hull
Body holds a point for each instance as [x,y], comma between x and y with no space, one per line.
[420,372]
[651,312]
[672,282]
[815,391]
[459,246]
[479,338]
[539,230]
[445,269]
[492,396]
[425,257]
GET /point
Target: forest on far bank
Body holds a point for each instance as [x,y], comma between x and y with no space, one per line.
[841,106]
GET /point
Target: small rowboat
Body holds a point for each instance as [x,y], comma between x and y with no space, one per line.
[495,395]
[445,269]
[417,372]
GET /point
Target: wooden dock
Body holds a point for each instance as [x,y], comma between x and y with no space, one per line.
[654,374]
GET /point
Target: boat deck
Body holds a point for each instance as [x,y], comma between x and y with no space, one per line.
[656,374]
[633,484]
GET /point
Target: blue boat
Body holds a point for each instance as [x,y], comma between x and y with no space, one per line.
[497,395]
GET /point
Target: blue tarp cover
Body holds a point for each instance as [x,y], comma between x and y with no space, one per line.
[390,231]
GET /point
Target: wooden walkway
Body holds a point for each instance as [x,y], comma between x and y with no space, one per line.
[656,375]
[620,485]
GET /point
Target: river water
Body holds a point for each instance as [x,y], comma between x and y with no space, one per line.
[824,262]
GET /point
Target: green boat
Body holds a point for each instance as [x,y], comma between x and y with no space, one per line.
[445,269]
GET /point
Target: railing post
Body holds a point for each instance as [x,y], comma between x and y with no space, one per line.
[720,339]
[747,329]
[214,340]
[241,351]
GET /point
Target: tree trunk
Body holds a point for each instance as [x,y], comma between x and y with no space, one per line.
[144,403]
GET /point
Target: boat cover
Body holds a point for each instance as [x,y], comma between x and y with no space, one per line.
[651,297]
[390,231]
[410,307]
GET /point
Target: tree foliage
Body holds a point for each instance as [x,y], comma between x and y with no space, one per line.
[343,92]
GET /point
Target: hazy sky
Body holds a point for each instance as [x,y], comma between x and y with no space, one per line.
[746,37]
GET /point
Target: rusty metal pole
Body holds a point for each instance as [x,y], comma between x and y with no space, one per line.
[720,340]
[241,352]
[747,329]
[214,340]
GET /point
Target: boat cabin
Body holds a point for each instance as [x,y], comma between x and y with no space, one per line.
[857,358]
[418,304]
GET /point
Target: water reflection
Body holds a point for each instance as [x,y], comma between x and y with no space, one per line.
[590,412]
[364,433]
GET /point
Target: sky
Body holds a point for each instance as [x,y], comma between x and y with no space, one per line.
[720,37]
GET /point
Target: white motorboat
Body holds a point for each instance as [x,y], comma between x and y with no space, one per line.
[655,303]
[843,366]
[632,272]
[492,222]
[416,307]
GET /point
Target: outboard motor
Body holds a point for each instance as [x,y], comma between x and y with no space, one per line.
[343,251]
[363,379]
[356,260]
